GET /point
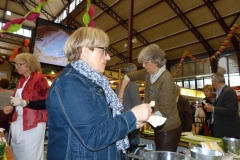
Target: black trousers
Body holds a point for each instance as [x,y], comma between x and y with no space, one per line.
[169,140]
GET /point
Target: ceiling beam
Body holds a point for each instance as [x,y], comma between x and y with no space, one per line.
[161,22]
[122,22]
[153,5]
[182,31]
[226,29]
[21,3]
[44,12]
[197,34]
[71,16]
[116,3]
[5,9]
[12,38]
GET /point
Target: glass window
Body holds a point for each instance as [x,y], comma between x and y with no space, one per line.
[226,79]
[223,63]
[234,79]
[199,83]
[20,31]
[233,64]
[72,6]
[207,80]
[186,84]
[192,84]
[27,32]
[179,83]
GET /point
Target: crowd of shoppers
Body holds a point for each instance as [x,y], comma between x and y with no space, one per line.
[225,119]
[87,120]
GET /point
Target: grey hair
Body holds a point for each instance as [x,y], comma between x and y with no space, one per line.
[153,53]
[130,67]
[219,77]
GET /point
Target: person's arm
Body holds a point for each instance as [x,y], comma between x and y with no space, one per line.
[133,76]
[134,93]
[37,105]
[123,86]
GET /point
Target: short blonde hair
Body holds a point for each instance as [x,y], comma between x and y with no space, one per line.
[153,53]
[84,37]
[31,61]
[209,87]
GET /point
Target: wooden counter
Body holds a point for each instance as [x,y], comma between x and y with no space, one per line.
[185,140]
[9,153]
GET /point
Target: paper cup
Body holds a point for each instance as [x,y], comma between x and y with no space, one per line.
[2,148]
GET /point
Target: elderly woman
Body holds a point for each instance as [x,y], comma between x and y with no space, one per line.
[210,97]
[84,113]
[30,114]
[160,88]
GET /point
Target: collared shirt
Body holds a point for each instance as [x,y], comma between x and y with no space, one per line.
[218,92]
[153,78]
[177,98]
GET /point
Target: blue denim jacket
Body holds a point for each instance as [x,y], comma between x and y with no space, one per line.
[81,125]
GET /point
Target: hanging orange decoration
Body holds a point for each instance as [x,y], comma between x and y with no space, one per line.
[23,48]
[234,29]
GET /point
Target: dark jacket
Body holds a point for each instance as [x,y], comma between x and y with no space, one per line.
[131,96]
[185,113]
[226,118]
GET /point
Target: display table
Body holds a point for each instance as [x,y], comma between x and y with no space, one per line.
[186,139]
[9,154]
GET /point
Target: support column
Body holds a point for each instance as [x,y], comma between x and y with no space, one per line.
[130,28]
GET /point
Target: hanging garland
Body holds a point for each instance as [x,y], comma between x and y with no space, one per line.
[235,28]
[16,24]
[87,17]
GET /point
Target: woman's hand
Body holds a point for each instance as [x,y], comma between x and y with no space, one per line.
[8,109]
[142,112]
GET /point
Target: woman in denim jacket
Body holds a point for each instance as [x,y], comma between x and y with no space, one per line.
[84,113]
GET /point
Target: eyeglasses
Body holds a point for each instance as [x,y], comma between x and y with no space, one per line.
[19,64]
[146,62]
[105,50]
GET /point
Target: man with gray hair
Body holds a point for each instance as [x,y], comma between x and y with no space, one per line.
[131,98]
[225,118]
[184,110]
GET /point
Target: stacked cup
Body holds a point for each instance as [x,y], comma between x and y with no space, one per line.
[2,150]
